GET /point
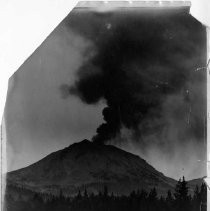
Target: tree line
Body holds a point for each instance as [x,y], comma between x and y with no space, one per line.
[139,200]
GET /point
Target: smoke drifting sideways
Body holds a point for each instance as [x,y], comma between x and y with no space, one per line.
[143,66]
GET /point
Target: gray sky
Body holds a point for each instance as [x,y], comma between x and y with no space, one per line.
[38,119]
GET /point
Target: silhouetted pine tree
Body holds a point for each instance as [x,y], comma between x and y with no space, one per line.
[85,193]
[182,199]
[153,195]
[203,195]
[196,200]
[169,201]
[152,200]
[105,191]
[143,200]
[79,196]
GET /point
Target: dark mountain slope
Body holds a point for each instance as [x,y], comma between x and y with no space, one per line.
[91,166]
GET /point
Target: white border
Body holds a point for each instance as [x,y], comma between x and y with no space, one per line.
[208,119]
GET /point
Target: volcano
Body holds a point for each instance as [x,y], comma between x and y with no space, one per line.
[90,166]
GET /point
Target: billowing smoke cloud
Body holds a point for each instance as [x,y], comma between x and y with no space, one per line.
[144,67]
[138,62]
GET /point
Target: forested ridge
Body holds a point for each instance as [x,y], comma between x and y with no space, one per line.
[139,200]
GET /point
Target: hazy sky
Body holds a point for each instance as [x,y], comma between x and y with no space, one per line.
[38,119]
[143,64]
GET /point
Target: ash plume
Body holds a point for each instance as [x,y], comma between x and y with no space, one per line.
[138,62]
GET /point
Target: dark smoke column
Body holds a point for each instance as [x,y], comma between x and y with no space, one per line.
[140,61]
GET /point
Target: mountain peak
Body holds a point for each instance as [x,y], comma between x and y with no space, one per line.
[85,141]
[90,165]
